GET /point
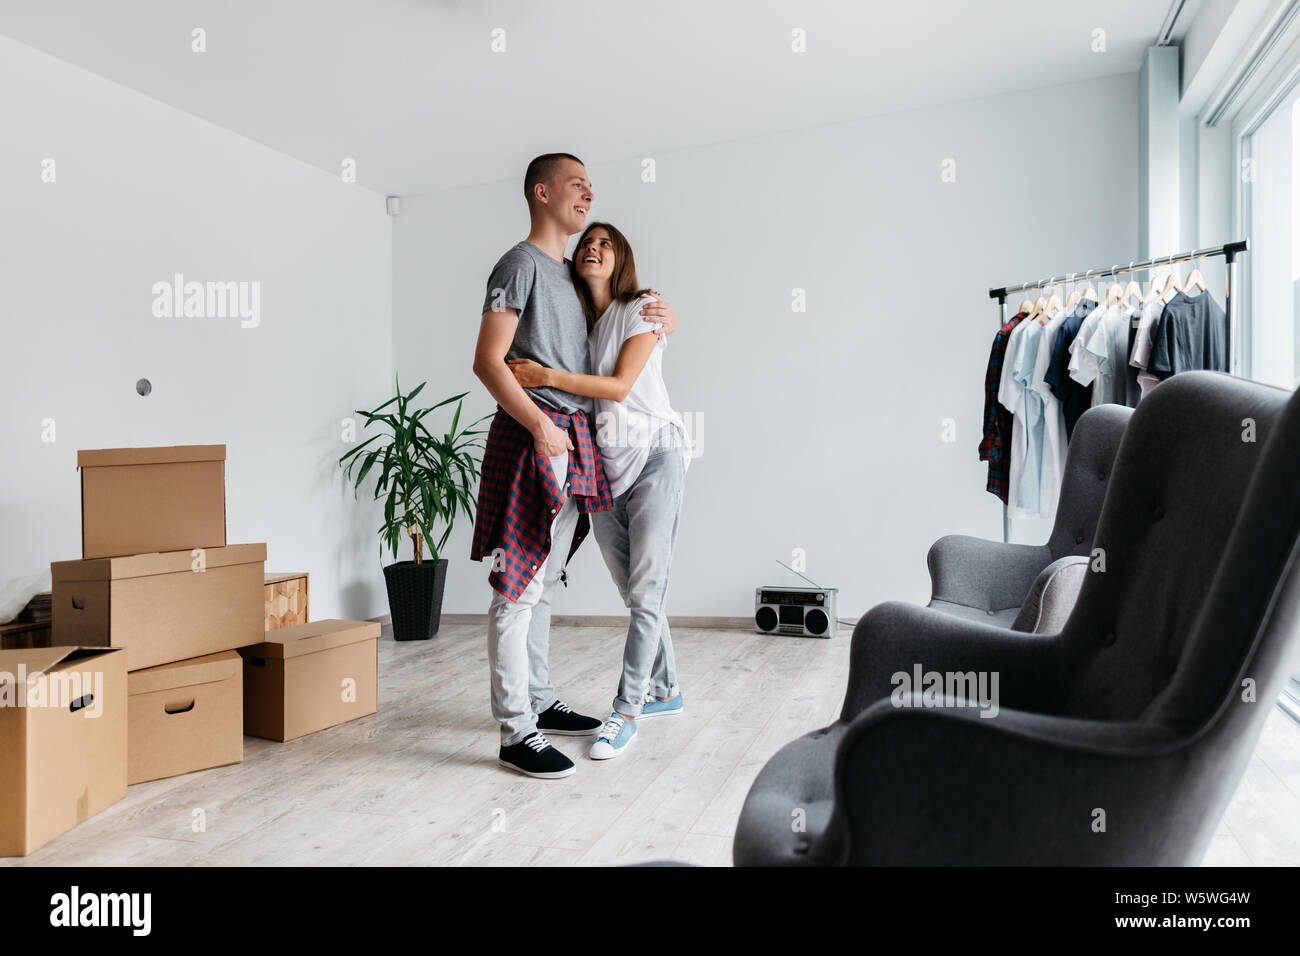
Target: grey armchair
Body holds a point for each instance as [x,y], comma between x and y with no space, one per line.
[988,580]
[1119,740]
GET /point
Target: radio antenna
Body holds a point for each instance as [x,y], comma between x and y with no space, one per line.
[793,571]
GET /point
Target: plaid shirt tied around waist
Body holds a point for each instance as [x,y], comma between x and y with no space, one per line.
[518,497]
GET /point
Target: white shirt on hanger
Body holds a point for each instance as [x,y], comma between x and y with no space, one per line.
[1082,369]
[1105,354]
[1054,441]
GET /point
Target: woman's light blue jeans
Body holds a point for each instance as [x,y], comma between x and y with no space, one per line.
[636,538]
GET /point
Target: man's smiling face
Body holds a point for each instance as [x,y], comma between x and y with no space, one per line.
[569,196]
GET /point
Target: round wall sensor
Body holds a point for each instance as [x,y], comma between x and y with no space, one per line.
[143,387]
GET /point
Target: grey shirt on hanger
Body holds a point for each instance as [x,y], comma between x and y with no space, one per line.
[1192,334]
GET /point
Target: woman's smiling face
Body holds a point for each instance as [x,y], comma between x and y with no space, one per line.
[594,257]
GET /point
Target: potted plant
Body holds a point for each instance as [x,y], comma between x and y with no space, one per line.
[425,483]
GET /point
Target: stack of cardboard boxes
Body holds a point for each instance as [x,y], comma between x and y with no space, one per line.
[161,661]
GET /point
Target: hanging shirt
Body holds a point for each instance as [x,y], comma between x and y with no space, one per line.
[1132,391]
[1028,500]
[1148,320]
[1105,354]
[1051,472]
[1081,366]
[1075,398]
[1010,393]
[996,440]
[1193,334]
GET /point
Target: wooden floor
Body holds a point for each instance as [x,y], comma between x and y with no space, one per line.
[418,783]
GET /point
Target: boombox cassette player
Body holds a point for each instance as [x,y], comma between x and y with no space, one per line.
[804,612]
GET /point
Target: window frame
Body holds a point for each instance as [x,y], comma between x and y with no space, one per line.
[1275,83]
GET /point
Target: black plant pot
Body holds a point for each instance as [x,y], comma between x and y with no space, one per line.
[415,598]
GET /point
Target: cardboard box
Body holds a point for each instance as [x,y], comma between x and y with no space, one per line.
[308,677]
[62,741]
[161,607]
[185,716]
[136,500]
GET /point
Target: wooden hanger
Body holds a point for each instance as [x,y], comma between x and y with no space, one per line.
[1053,305]
[1073,300]
[1132,292]
[1025,307]
[1171,286]
[1040,305]
[1194,281]
[1113,289]
[1153,289]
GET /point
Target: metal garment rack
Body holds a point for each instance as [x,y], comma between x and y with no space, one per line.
[1229,251]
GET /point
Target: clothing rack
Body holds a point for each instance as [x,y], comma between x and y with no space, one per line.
[1229,251]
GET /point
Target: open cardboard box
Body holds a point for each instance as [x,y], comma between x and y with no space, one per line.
[136,500]
[162,607]
[185,716]
[62,741]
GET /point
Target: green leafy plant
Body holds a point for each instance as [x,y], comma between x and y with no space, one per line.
[425,481]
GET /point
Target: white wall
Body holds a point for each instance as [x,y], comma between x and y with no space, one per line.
[144,191]
[822,430]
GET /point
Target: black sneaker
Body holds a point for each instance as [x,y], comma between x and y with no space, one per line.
[563,721]
[535,756]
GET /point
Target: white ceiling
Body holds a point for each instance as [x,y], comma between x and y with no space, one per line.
[411,90]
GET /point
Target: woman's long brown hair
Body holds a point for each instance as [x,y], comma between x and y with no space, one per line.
[623,284]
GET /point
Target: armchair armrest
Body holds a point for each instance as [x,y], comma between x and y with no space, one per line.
[988,575]
[945,786]
[1051,600]
[896,636]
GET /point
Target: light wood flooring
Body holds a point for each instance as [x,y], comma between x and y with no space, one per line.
[418,783]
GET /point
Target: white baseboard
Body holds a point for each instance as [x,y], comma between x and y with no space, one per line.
[608,620]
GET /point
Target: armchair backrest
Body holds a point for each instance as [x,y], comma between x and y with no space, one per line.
[1154,634]
[1089,462]
[1249,625]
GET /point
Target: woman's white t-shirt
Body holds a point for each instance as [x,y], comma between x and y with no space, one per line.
[627,430]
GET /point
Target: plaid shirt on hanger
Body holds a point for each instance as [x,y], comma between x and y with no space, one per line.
[997,420]
[518,497]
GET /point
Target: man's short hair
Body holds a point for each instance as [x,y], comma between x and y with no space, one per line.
[543,170]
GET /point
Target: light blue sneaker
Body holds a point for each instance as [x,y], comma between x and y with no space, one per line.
[654,707]
[614,738]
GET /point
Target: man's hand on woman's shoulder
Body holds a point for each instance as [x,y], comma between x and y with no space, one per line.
[658,312]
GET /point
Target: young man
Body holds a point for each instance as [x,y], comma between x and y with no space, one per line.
[542,473]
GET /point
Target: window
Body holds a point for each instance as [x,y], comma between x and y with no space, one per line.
[1271,188]
[1266,129]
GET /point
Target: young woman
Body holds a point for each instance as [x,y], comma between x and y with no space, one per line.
[643,444]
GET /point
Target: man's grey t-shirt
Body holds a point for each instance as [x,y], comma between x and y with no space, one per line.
[552,328]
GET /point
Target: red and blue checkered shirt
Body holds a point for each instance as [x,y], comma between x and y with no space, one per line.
[518,497]
[995,442]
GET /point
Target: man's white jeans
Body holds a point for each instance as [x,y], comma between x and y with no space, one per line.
[519,632]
